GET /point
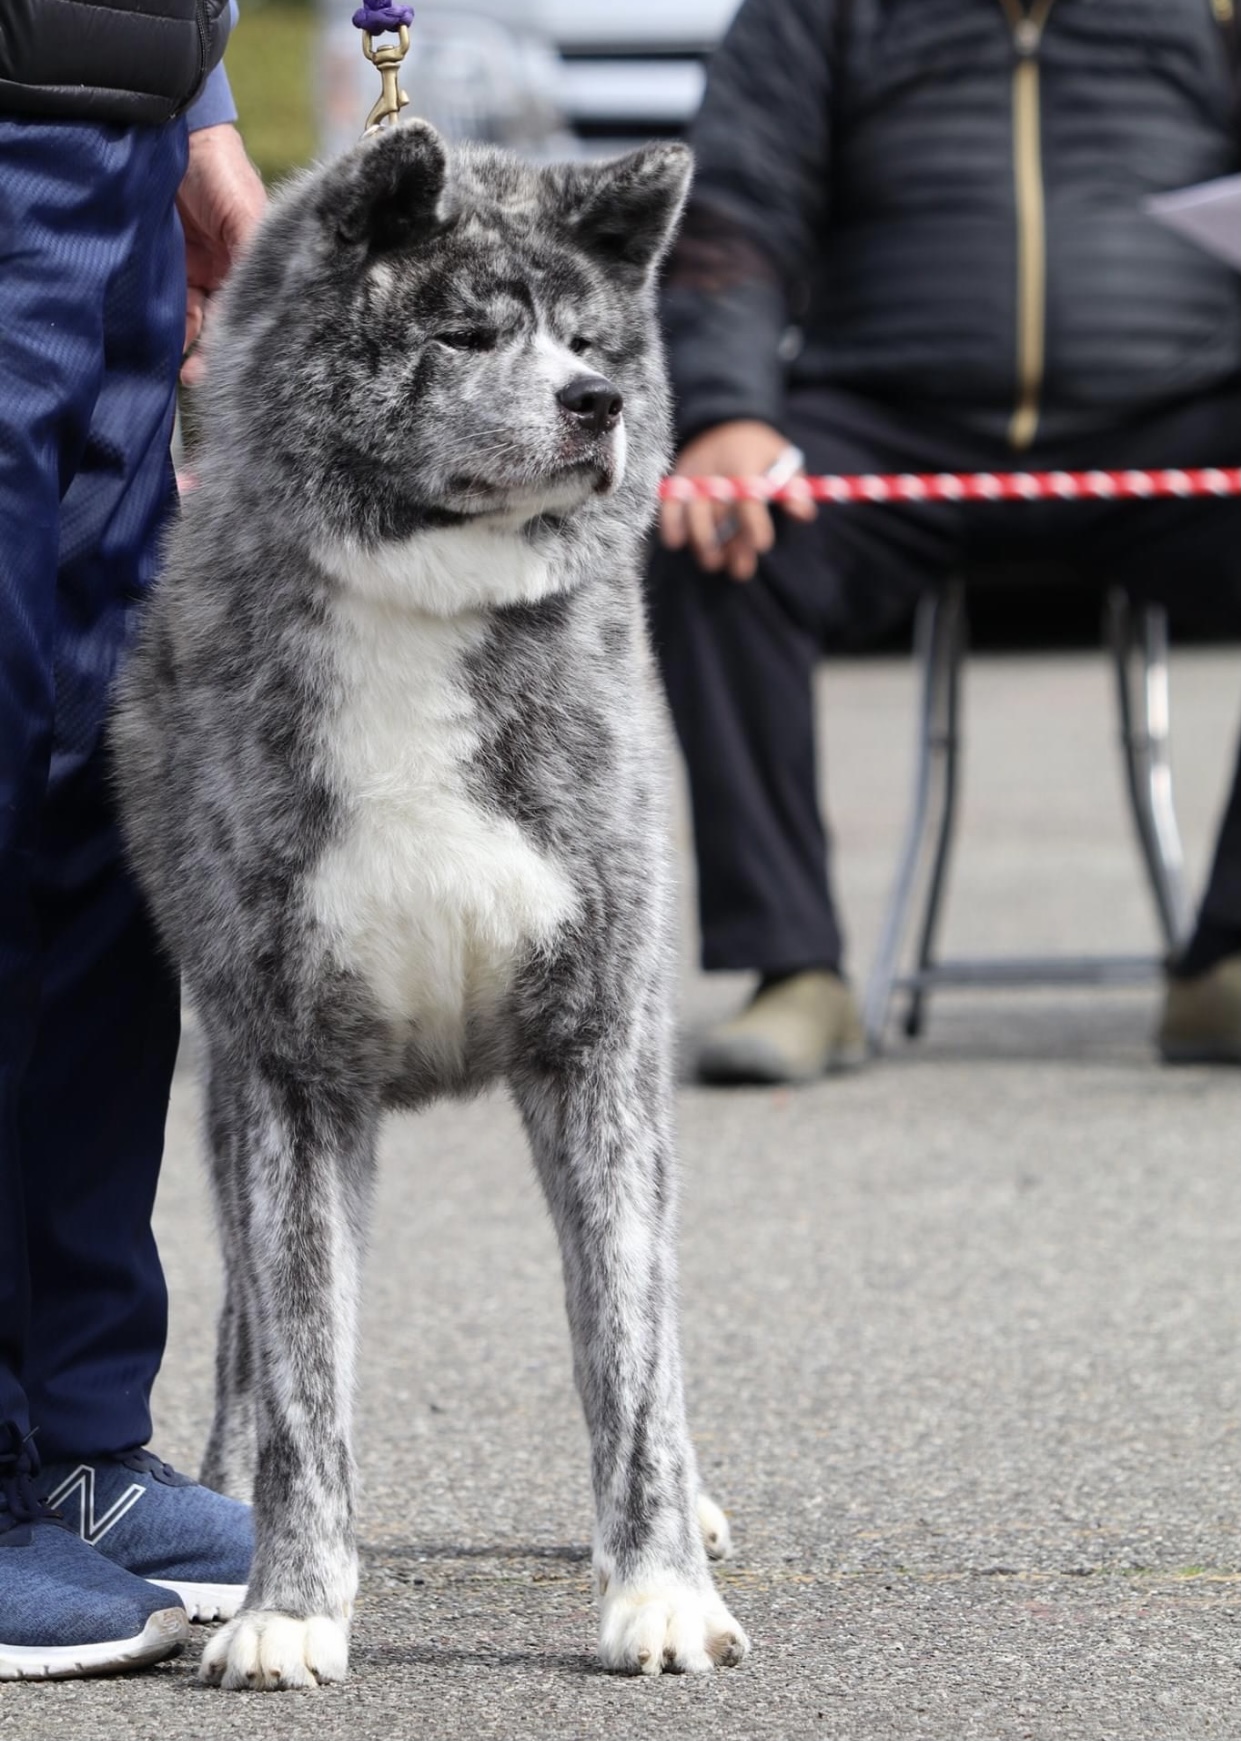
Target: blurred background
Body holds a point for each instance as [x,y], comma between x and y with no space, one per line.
[553,78]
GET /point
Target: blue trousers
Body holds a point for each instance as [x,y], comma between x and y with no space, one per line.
[92,306]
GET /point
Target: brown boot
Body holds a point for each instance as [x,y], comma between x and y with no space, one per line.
[792,1031]
[1201,1021]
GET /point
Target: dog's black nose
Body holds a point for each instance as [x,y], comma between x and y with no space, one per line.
[595,400]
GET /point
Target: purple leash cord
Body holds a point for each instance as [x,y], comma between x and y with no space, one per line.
[375,20]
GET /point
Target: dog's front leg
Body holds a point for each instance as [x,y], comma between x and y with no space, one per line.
[303,1180]
[600,1130]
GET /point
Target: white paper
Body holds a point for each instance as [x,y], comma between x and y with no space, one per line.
[1209,214]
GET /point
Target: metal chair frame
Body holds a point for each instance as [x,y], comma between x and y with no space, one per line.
[1138,644]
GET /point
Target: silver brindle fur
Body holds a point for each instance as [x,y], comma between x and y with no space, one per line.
[393,773]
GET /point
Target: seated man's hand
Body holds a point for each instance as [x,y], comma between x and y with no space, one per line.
[728,535]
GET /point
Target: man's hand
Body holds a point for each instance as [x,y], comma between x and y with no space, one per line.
[730,450]
[220,200]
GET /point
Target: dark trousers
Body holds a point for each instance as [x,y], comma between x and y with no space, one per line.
[92,300]
[738,659]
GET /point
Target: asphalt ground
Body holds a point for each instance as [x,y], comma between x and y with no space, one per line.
[961,1333]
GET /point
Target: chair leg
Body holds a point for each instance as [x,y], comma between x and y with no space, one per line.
[945,748]
[1140,656]
[933,639]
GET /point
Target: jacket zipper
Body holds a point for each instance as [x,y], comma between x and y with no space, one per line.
[1027,33]
[202,39]
[201,27]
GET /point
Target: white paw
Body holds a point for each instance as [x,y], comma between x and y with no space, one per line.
[264,1651]
[717,1538]
[667,1626]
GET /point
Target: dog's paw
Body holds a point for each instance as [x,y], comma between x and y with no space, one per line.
[717,1538]
[667,1626]
[265,1651]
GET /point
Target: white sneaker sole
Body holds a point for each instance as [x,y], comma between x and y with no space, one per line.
[205,1601]
[164,1633]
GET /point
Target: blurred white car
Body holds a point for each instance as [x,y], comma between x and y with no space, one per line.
[552,78]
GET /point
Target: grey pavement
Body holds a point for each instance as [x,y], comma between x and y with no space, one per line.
[961,1332]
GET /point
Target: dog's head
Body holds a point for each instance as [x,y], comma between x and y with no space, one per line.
[423,337]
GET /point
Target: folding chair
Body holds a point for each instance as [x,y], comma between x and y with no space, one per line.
[1138,644]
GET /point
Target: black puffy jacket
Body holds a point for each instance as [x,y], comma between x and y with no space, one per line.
[108,60]
[946,204]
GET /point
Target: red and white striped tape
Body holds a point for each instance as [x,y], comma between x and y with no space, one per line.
[946,486]
[963,486]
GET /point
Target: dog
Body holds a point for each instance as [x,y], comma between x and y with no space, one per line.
[392,774]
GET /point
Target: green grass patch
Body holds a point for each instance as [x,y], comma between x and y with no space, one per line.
[270,63]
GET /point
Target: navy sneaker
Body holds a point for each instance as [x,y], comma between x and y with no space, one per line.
[64,1609]
[140,1514]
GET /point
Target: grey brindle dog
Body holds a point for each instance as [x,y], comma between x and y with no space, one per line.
[393,775]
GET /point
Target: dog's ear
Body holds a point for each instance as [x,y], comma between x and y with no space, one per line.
[388,191]
[624,212]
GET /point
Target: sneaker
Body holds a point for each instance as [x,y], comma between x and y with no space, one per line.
[1201,1022]
[792,1030]
[64,1609]
[142,1515]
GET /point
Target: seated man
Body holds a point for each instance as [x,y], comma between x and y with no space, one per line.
[918,242]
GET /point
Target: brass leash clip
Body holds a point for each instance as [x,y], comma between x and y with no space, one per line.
[387,59]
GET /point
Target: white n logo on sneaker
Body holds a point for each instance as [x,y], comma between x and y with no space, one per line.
[92,1529]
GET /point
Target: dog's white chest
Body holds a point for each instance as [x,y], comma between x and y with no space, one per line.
[431,897]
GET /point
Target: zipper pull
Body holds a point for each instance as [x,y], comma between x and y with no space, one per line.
[1027,36]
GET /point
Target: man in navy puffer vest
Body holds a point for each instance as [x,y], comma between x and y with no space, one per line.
[123,184]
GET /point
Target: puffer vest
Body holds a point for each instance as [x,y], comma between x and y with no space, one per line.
[108,60]
[981,243]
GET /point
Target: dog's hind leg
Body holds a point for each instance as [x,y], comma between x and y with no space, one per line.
[304,1160]
[600,1130]
[228,1462]
[717,1537]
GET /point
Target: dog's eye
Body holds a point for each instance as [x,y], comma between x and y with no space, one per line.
[578,344]
[468,339]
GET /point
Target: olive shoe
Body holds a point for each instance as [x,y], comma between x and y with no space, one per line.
[1201,1021]
[793,1030]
